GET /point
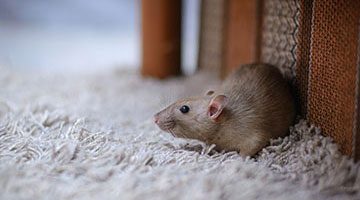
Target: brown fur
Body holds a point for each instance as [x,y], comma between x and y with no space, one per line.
[259,106]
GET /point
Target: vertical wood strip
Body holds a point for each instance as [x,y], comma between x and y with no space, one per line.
[241,33]
[161,38]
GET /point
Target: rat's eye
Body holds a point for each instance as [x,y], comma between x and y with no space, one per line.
[184,109]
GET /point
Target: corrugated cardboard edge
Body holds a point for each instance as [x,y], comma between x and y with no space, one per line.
[356,131]
[303,38]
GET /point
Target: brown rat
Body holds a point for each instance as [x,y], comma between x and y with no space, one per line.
[253,105]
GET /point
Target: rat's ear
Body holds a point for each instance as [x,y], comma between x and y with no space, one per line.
[209,93]
[216,106]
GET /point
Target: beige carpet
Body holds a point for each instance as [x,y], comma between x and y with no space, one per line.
[91,136]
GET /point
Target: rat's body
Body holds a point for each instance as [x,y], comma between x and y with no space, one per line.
[253,105]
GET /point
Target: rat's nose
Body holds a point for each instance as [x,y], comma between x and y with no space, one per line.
[156,119]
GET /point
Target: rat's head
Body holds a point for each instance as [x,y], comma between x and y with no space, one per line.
[193,117]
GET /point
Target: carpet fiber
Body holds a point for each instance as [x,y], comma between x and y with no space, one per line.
[91,136]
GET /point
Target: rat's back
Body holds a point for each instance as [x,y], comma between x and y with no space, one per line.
[260,103]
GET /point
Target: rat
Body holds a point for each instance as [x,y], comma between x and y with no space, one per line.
[253,105]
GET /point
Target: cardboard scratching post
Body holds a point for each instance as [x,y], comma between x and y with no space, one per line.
[333,71]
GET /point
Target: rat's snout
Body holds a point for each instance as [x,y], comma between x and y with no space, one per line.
[163,121]
[156,118]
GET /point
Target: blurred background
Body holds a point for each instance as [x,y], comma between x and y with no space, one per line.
[82,35]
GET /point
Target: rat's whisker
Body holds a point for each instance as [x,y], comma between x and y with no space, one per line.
[171,132]
[182,135]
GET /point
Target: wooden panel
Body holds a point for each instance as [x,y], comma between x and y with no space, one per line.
[161,38]
[333,63]
[241,37]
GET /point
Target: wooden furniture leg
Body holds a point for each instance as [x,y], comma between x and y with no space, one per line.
[161,38]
